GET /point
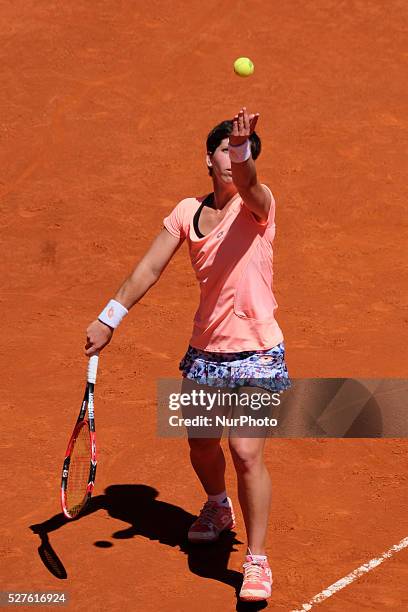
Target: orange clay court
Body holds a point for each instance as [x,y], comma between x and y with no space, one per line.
[105,108]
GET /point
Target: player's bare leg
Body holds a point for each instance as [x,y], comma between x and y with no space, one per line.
[208,461]
[254,489]
[217,513]
[206,454]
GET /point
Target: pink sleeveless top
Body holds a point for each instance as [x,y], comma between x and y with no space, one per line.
[233,265]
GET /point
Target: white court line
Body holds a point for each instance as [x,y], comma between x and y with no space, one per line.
[343,582]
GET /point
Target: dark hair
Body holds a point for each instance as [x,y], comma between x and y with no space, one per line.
[223,130]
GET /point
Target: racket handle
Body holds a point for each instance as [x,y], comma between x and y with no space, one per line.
[93,368]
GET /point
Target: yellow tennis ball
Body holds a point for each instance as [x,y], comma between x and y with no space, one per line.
[243,67]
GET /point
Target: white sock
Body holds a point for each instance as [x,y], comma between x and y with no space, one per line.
[221,499]
[257,557]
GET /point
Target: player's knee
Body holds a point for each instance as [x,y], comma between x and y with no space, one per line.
[244,456]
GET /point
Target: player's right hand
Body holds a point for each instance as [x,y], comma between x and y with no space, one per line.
[98,335]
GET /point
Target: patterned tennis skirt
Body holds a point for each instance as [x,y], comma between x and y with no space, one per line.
[264,368]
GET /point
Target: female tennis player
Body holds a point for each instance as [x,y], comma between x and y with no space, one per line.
[235,337]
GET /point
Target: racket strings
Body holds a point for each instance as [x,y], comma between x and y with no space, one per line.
[78,475]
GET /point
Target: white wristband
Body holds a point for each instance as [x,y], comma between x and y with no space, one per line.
[240,153]
[113,314]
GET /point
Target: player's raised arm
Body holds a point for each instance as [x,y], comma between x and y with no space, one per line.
[243,170]
[146,273]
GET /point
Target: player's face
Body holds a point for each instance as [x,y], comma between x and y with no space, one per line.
[221,163]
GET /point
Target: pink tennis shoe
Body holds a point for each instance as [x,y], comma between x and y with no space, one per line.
[213,519]
[257,584]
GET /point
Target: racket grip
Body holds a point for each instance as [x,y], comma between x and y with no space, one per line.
[92,368]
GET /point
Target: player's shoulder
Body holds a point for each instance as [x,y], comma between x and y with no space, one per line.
[190,204]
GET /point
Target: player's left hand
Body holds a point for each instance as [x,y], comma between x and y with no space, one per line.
[243,124]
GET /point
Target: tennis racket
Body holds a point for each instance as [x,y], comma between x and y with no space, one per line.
[79,469]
